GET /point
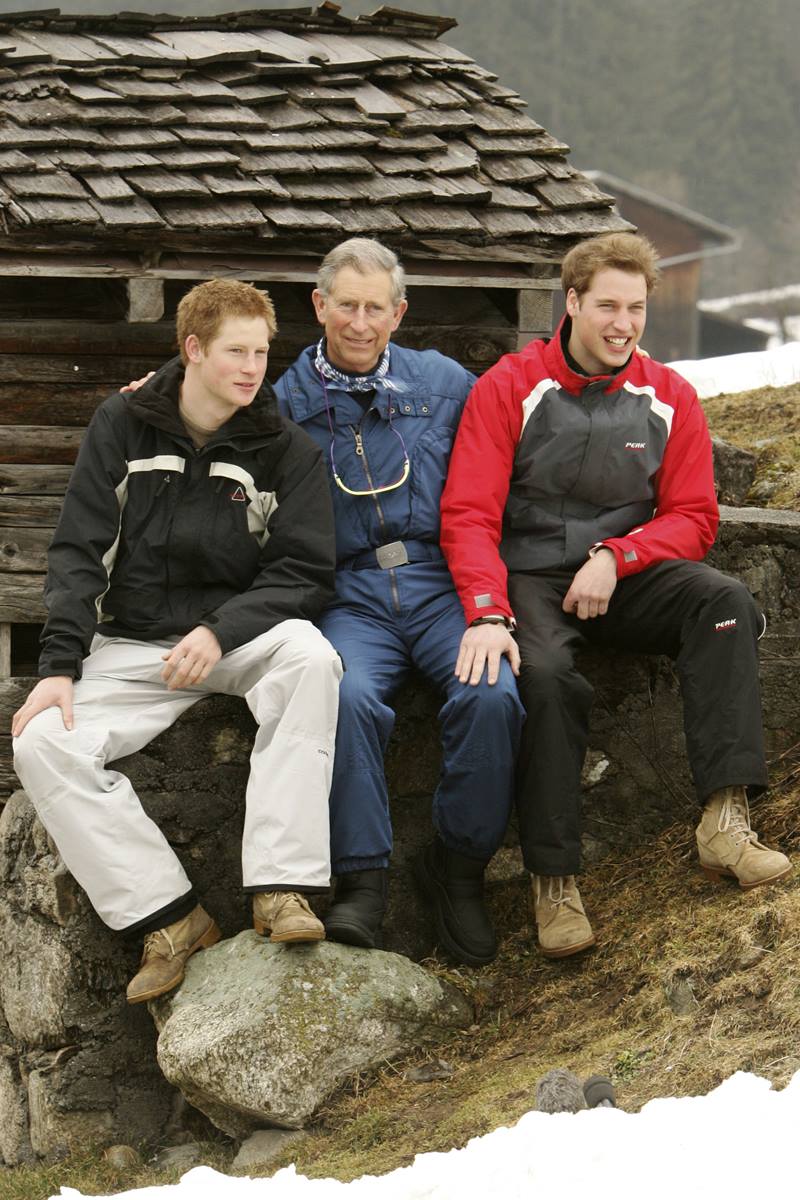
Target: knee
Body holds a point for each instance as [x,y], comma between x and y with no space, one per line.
[730,601]
[358,696]
[492,702]
[551,677]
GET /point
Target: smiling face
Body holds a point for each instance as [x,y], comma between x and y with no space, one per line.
[359,316]
[607,320]
[226,374]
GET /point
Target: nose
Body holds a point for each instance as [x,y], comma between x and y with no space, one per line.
[359,320]
[250,366]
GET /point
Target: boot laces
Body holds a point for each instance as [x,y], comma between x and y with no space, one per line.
[734,818]
[557,894]
[153,946]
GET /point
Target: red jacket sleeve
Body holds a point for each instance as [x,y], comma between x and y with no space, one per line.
[476,492]
[686,516]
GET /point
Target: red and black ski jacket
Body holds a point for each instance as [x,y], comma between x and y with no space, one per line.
[548,463]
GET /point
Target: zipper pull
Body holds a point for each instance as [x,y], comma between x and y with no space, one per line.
[165,480]
[359,443]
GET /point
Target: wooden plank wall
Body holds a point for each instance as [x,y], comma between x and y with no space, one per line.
[54,372]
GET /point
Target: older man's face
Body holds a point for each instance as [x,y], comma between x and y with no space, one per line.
[359,317]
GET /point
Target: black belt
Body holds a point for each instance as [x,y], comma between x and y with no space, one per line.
[393,554]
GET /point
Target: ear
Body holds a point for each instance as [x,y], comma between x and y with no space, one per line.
[573,303]
[320,305]
[399,313]
[194,351]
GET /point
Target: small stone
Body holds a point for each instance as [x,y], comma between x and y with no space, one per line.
[265,1145]
[679,994]
[122,1158]
[180,1157]
[429,1071]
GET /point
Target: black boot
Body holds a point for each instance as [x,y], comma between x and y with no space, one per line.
[356,913]
[453,885]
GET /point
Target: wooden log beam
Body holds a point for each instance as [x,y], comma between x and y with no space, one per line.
[26,479]
[24,550]
[68,404]
[21,599]
[32,444]
[12,694]
[38,511]
[5,656]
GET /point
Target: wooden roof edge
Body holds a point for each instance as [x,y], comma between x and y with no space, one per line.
[325,16]
[437,263]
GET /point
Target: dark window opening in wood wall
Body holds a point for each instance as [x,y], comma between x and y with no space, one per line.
[62,299]
[25,649]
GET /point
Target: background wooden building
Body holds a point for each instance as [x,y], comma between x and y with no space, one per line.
[140,154]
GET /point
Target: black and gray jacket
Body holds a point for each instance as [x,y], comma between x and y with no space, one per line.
[156,537]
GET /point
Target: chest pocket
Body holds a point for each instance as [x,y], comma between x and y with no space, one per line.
[257,506]
[429,461]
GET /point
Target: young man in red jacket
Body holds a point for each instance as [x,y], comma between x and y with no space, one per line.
[579,501]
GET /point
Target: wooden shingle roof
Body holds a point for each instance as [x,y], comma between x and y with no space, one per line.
[259,130]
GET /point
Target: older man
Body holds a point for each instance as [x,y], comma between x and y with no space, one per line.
[385,418]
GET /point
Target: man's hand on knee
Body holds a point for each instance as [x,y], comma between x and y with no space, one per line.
[482,646]
[192,660]
[53,692]
[593,586]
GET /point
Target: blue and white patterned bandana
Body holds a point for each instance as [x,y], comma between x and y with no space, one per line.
[379,378]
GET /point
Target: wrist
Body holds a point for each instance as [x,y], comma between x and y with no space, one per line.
[494,619]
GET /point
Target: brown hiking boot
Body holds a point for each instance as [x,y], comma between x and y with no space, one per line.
[728,846]
[560,919]
[165,954]
[288,916]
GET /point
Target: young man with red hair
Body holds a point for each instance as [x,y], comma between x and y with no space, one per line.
[579,501]
[194,549]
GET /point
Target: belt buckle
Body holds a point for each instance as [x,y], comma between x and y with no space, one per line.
[393,554]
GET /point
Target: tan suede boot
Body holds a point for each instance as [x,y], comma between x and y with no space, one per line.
[728,846]
[560,919]
[165,954]
[288,916]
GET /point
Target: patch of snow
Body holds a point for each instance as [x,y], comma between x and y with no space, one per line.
[742,372]
[733,1142]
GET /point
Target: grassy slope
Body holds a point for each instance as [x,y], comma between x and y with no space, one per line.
[766,421]
[732,956]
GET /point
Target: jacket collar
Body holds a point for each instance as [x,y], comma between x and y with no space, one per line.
[575,381]
[305,396]
[156,403]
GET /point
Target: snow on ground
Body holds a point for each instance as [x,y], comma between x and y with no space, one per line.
[735,1142]
[742,372]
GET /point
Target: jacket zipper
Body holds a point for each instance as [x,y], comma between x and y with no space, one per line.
[362,454]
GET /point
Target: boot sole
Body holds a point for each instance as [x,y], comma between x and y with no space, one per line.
[430,890]
[210,938]
[720,874]
[566,951]
[354,935]
[291,935]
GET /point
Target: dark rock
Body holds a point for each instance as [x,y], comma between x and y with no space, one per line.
[734,471]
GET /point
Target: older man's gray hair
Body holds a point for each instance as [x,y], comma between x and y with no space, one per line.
[364,255]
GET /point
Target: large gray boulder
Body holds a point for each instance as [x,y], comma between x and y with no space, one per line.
[260,1033]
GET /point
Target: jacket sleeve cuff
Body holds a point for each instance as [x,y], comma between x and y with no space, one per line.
[486,606]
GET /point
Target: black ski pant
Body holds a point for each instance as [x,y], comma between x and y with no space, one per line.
[707,622]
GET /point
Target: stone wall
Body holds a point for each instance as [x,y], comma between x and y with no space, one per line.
[78,1065]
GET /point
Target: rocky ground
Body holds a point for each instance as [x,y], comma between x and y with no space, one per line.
[766,422]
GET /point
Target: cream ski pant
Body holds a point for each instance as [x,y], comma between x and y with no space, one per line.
[289,677]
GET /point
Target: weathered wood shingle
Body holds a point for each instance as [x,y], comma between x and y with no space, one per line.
[273,124]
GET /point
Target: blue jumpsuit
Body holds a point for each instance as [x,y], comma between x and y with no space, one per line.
[385,619]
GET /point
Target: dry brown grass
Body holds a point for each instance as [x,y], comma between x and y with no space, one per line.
[767,422]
